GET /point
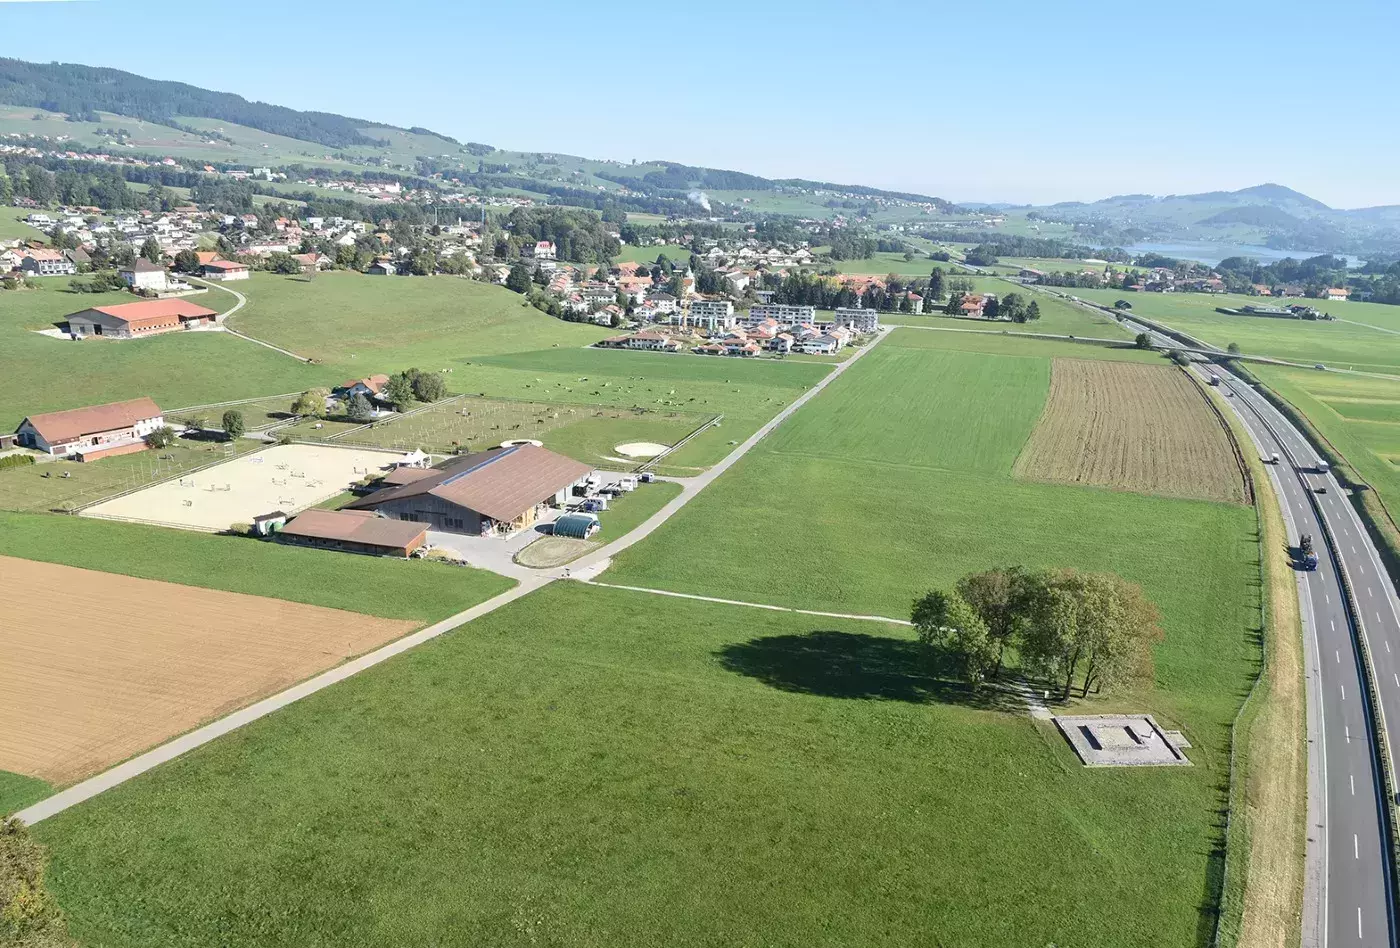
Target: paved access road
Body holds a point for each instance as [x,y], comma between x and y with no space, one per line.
[1347,896]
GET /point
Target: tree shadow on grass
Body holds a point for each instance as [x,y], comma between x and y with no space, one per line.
[854,665]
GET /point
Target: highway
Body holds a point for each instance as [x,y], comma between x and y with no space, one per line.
[1348,889]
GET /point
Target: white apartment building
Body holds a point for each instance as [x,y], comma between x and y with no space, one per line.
[784,314]
[860,320]
[713,315]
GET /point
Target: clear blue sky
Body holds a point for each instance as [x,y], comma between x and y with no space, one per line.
[1011,101]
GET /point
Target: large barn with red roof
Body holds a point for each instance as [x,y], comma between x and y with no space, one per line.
[146,318]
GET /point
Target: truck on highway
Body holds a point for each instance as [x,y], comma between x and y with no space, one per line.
[1322,467]
[1306,554]
[1273,458]
[1214,379]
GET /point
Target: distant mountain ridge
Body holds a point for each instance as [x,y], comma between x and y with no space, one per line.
[1269,214]
[85,90]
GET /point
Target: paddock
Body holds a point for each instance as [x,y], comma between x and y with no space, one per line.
[288,477]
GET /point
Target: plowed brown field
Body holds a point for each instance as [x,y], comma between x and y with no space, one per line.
[1138,427]
[97,667]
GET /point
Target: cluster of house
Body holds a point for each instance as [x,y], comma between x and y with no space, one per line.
[711,327]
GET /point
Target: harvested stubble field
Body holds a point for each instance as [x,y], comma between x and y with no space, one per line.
[126,663]
[1135,427]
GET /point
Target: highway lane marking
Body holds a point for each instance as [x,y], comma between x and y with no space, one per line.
[1347,729]
[1397,678]
[1352,778]
[1387,641]
[1337,653]
[1353,551]
[1344,692]
[1355,846]
[1358,921]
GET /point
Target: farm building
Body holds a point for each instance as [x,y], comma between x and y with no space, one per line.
[224,270]
[92,433]
[369,386]
[354,531]
[133,320]
[578,525]
[495,492]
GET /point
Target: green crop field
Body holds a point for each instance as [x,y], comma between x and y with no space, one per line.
[378,586]
[650,771]
[1364,335]
[176,369]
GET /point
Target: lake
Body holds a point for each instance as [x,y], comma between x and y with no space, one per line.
[1211,254]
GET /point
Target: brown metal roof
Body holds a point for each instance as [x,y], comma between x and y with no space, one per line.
[59,426]
[501,483]
[355,526]
[146,309]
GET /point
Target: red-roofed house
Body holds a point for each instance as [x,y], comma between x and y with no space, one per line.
[46,262]
[146,318]
[224,270]
[1336,293]
[90,433]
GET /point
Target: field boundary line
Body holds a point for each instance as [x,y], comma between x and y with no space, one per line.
[713,422]
[749,605]
[229,404]
[164,480]
[1246,476]
[243,301]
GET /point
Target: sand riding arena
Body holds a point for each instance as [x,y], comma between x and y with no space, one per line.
[287,477]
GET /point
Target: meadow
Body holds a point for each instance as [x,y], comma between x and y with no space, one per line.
[634,254]
[1363,337]
[176,369]
[747,392]
[13,227]
[458,425]
[365,324]
[17,791]
[525,781]
[377,586]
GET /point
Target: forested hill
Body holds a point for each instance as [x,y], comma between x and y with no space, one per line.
[82,91]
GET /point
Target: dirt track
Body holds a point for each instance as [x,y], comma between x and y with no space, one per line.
[1139,427]
[98,666]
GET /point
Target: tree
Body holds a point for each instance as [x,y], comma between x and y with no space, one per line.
[1095,624]
[162,437]
[1143,341]
[283,263]
[311,403]
[1032,311]
[399,391]
[946,621]
[428,387]
[991,307]
[935,284]
[151,250]
[1233,348]
[519,279]
[1000,597]
[233,424]
[358,408]
[187,261]
[954,305]
[1179,357]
